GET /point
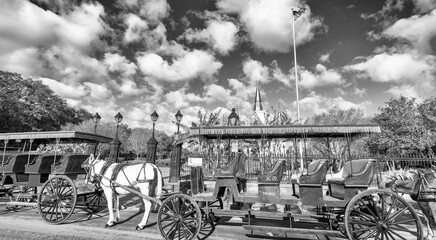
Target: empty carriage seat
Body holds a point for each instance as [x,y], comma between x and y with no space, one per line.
[17,163]
[316,173]
[235,169]
[275,175]
[42,164]
[357,173]
[70,164]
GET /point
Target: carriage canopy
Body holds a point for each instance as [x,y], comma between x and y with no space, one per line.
[291,131]
[64,135]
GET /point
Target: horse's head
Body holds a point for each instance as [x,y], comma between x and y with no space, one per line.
[92,166]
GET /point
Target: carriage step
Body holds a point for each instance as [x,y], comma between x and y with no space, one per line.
[302,231]
[230,213]
[268,215]
[24,204]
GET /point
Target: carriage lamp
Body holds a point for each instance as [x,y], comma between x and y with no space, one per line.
[233,118]
[154,117]
[179,117]
[96,119]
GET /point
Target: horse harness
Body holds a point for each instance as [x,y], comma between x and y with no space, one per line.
[120,168]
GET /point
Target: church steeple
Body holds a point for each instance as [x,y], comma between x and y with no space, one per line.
[257,100]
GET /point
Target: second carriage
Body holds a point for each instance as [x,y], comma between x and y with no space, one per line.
[352,205]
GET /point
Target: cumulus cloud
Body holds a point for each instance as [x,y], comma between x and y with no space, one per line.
[218,34]
[268,23]
[153,10]
[117,63]
[325,58]
[419,30]
[314,104]
[255,71]
[192,64]
[321,77]
[385,67]
[64,90]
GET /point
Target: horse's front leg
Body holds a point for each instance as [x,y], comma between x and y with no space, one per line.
[147,207]
[110,207]
[117,207]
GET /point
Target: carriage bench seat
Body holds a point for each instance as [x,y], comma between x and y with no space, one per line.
[315,176]
[17,163]
[275,175]
[70,164]
[357,174]
[42,164]
[235,169]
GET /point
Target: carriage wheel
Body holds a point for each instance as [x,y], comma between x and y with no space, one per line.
[381,214]
[179,217]
[57,199]
[210,217]
[96,201]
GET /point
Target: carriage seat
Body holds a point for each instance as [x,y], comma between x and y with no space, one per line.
[357,173]
[70,164]
[42,164]
[235,169]
[275,175]
[17,163]
[316,172]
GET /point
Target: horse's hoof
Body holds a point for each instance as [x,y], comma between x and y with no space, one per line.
[139,228]
[108,226]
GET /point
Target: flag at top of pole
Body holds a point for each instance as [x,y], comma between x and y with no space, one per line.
[297,12]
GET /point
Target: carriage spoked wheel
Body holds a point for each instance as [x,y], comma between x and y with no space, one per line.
[381,214]
[179,217]
[207,210]
[96,201]
[57,199]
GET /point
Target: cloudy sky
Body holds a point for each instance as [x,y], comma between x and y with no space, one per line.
[137,56]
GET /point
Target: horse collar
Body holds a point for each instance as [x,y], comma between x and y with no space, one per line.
[105,167]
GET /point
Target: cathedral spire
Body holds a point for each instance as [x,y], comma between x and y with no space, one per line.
[257,100]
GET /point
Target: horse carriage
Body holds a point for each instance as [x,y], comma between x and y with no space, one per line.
[38,170]
[351,206]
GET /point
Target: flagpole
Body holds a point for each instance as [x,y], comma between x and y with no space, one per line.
[294,17]
[296,66]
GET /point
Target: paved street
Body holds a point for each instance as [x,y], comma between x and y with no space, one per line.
[25,223]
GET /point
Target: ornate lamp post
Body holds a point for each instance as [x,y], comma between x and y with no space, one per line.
[177,157]
[233,120]
[96,119]
[115,144]
[179,118]
[152,143]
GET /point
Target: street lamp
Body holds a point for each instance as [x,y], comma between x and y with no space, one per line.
[118,118]
[154,117]
[96,119]
[233,118]
[179,118]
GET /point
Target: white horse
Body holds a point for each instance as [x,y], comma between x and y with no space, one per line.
[144,177]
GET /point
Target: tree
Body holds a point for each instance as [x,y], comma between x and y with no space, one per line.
[27,104]
[137,140]
[107,129]
[407,128]
[337,148]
